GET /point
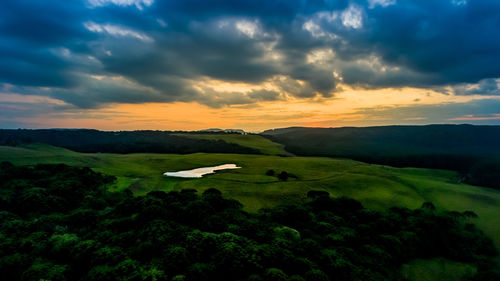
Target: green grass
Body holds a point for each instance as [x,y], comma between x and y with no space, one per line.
[437,269]
[257,142]
[376,186]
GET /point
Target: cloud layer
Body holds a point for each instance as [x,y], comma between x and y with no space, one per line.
[94,52]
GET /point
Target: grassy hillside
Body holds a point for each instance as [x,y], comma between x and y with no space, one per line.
[260,143]
[376,186]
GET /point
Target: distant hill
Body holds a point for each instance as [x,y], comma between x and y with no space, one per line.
[472,150]
[466,139]
[121,142]
[226,131]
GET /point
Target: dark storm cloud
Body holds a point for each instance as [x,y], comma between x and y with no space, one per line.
[452,41]
[42,23]
[95,52]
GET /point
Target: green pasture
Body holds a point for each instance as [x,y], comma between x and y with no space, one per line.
[376,186]
[258,142]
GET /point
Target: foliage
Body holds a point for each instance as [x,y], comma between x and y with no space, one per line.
[84,232]
[122,142]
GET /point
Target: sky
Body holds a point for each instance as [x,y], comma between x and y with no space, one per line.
[248,64]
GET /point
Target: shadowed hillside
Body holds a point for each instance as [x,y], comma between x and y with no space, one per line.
[472,150]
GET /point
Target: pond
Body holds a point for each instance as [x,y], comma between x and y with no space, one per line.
[199,172]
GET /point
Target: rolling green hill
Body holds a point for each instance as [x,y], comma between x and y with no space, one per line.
[376,186]
[260,143]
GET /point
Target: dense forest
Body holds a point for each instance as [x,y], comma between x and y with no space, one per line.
[474,151]
[60,223]
[121,142]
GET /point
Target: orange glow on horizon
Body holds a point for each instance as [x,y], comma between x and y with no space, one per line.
[344,109]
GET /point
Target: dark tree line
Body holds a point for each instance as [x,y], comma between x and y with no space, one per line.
[60,223]
[121,142]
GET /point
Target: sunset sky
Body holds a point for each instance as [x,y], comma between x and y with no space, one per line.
[247,64]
